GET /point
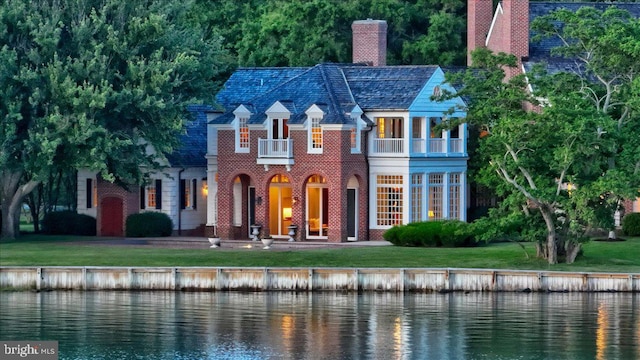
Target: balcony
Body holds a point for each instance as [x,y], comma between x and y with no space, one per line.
[275,152]
[388,146]
[418,147]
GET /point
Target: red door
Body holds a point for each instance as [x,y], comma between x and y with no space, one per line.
[111,217]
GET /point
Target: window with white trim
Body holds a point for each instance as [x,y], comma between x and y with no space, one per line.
[242,135]
[356,137]
[417,181]
[315,135]
[454,195]
[389,200]
[151,195]
[435,196]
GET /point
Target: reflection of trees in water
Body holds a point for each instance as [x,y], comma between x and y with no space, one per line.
[331,324]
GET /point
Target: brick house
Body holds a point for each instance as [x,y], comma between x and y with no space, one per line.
[342,151]
[180,190]
[505,28]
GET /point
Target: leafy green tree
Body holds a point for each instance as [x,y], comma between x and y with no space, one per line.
[93,83]
[304,33]
[606,46]
[572,153]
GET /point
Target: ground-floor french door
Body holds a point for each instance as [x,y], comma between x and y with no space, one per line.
[280,206]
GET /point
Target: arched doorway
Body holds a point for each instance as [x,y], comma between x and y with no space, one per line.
[111,217]
[317,207]
[279,205]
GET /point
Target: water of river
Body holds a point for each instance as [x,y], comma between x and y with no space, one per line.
[232,325]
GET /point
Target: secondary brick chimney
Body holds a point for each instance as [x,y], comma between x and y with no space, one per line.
[370,42]
[479,17]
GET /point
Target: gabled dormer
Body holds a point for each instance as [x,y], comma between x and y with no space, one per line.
[277,148]
[314,129]
[356,131]
[241,128]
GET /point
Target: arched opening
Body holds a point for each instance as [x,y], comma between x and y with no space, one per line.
[280,205]
[317,207]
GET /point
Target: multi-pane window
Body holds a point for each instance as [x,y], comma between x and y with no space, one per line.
[389,198]
[316,134]
[435,196]
[416,197]
[354,143]
[188,194]
[454,196]
[151,196]
[243,132]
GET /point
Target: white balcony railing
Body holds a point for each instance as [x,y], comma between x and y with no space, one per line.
[275,148]
[388,146]
[437,146]
[455,145]
[418,146]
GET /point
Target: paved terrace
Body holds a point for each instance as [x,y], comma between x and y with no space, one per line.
[183,242]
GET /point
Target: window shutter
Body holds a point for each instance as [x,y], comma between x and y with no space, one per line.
[182,190]
[89,193]
[143,198]
[158,194]
[194,193]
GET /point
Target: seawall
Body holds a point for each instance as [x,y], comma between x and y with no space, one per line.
[310,279]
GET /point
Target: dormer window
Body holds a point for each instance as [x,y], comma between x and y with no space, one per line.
[241,127]
[356,139]
[356,131]
[315,135]
[243,133]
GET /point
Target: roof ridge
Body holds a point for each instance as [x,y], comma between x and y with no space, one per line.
[330,90]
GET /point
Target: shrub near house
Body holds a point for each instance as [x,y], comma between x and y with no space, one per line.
[149,224]
[631,224]
[447,233]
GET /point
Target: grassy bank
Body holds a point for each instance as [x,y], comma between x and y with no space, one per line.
[32,250]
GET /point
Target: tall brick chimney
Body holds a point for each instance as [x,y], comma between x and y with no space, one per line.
[510,32]
[370,42]
[479,17]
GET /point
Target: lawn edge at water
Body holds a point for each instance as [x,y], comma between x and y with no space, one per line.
[32,250]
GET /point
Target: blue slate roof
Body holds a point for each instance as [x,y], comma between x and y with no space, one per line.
[540,51]
[335,88]
[387,87]
[194,141]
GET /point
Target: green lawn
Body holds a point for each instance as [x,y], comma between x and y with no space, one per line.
[36,250]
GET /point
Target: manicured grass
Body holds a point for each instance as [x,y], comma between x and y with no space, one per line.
[34,250]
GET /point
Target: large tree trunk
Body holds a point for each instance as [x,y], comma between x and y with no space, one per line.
[11,197]
[573,249]
[552,246]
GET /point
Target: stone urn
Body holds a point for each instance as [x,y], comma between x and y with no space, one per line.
[267,241]
[255,232]
[292,232]
[215,242]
